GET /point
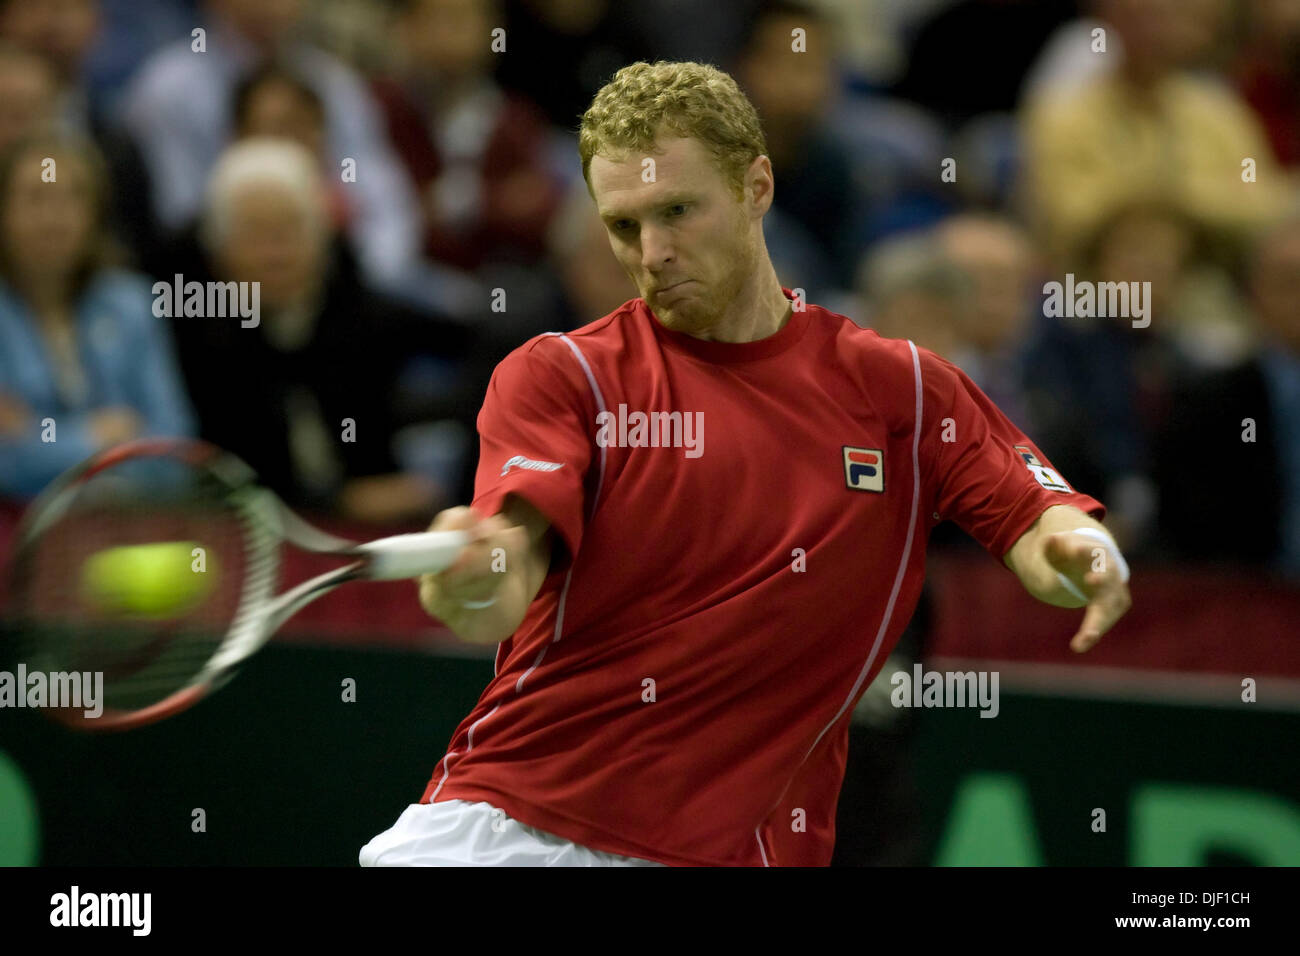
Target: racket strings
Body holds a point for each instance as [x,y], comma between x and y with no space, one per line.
[257,517]
[140,581]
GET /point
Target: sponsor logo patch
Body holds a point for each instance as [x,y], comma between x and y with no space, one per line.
[864,469]
[528,464]
[1049,478]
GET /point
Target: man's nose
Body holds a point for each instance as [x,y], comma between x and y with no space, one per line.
[656,249]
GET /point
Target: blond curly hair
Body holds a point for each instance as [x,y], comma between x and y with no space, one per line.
[694,100]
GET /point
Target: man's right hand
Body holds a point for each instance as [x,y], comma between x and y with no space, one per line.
[509,578]
[472,578]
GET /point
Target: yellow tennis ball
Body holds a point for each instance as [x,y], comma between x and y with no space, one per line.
[159,580]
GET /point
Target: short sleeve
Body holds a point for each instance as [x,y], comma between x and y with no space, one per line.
[536,440]
[983,473]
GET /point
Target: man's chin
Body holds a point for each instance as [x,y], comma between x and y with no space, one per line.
[682,314]
[675,320]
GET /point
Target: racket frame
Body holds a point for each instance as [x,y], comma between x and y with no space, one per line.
[268,522]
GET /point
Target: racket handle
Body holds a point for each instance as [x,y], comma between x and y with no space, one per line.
[411,555]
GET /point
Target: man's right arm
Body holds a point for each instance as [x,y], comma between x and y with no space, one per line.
[510,578]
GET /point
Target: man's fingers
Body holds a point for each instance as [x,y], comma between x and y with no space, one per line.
[1068,552]
[455,519]
[1093,568]
[1110,600]
[1061,549]
[473,575]
[1089,633]
[476,561]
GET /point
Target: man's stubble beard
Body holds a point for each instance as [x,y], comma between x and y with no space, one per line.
[706,311]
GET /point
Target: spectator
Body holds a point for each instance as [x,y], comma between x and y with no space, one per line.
[1099,389]
[1235,436]
[129,31]
[1150,130]
[793,92]
[272,101]
[179,110]
[594,284]
[1268,73]
[1068,59]
[686,30]
[27,94]
[84,363]
[471,149]
[312,410]
[873,35]
[561,52]
[1087,47]
[911,291]
[63,34]
[998,259]
[971,57]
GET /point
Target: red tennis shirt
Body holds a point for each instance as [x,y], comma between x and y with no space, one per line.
[743,533]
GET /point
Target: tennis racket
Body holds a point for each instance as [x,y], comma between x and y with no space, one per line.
[156,564]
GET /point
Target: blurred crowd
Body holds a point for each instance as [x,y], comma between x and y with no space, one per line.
[401,180]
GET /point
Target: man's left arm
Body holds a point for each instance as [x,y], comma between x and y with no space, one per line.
[1068,559]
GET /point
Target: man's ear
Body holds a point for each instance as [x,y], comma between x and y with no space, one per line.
[759,184]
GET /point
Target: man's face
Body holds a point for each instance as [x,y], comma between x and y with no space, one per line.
[270,240]
[684,239]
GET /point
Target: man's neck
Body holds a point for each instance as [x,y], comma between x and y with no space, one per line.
[760,310]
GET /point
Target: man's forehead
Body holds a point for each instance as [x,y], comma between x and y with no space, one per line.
[621,179]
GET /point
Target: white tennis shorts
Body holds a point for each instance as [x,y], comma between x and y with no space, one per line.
[461,833]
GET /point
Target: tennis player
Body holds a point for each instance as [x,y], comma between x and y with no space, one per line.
[685,619]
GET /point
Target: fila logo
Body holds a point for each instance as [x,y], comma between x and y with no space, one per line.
[1049,478]
[864,468]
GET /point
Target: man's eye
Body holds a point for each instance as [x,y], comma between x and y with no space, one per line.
[678,209]
[622,225]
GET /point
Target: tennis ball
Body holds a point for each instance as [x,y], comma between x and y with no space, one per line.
[151,580]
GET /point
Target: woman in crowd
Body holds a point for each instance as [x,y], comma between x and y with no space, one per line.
[84,363]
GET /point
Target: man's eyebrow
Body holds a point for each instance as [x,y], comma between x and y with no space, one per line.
[670,200]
